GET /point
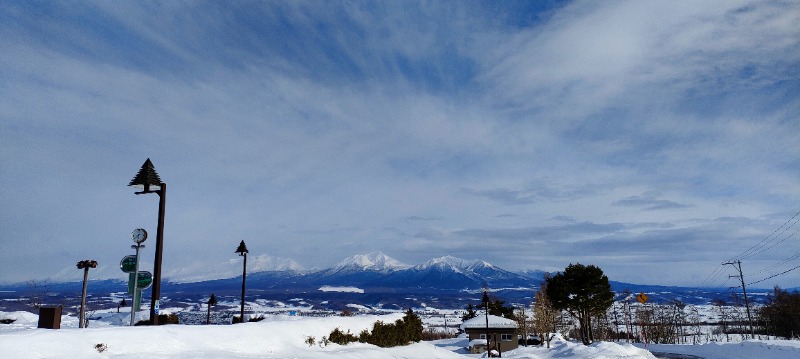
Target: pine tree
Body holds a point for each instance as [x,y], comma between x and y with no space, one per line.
[584,292]
[470,313]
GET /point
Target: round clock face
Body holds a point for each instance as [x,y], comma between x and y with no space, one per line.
[139,235]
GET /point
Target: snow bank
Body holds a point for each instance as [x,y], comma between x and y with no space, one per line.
[761,349]
[275,337]
[328,288]
[284,336]
[560,348]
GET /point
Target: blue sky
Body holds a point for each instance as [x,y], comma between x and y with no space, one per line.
[652,139]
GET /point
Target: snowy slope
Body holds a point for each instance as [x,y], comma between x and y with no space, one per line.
[280,336]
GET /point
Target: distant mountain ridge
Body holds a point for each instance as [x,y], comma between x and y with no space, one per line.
[382,282]
[202,271]
[364,269]
[373,261]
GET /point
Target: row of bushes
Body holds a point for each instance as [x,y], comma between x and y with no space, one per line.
[402,332]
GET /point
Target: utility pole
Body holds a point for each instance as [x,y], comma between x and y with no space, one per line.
[738,266]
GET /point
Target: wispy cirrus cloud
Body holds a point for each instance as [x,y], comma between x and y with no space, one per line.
[416,129]
[649,202]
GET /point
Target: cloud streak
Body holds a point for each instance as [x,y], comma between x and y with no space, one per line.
[581,130]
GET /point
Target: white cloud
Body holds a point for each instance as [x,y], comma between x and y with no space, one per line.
[323,129]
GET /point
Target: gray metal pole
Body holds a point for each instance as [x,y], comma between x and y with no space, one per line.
[135,284]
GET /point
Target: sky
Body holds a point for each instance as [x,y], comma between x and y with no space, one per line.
[655,140]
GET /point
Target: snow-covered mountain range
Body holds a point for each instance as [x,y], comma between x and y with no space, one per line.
[374,279]
[374,269]
[202,271]
[374,261]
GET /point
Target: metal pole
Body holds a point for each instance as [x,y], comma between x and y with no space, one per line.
[744,291]
[486,314]
[135,285]
[83,298]
[244,276]
[162,195]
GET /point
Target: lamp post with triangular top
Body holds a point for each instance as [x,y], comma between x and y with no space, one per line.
[242,250]
[148,181]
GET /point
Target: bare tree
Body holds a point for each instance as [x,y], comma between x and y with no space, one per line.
[724,317]
[37,292]
[545,316]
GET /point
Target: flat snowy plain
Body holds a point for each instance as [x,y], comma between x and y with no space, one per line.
[283,336]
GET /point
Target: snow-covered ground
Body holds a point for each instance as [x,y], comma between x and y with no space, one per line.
[283,336]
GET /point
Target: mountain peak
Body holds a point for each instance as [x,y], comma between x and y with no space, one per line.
[448,262]
[373,261]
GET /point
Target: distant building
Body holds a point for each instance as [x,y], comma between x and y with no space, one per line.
[502,334]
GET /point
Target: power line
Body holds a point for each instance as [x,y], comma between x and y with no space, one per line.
[787,260]
[774,244]
[773,276]
[712,276]
[748,254]
[760,247]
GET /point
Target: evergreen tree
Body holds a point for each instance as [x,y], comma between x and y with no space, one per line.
[495,307]
[402,332]
[470,313]
[582,291]
[412,327]
[498,308]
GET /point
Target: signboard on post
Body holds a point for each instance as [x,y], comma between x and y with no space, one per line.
[128,264]
[642,298]
[145,280]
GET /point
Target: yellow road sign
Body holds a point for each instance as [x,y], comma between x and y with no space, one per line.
[642,298]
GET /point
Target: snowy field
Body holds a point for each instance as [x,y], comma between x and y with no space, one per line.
[283,336]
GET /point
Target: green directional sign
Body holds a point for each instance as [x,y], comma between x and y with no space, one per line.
[145,280]
[128,264]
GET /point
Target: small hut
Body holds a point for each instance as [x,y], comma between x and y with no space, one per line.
[502,333]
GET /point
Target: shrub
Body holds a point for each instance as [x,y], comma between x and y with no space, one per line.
[162,319]
[101,347]
[341,338]
[401,332]
[431,334]
[310,340]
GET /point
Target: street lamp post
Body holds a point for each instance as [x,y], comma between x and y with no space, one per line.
[148,181]
[211,301]
[85,265]
[242,250]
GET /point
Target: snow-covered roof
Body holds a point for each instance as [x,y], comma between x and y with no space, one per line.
[475,342]
[494,322]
